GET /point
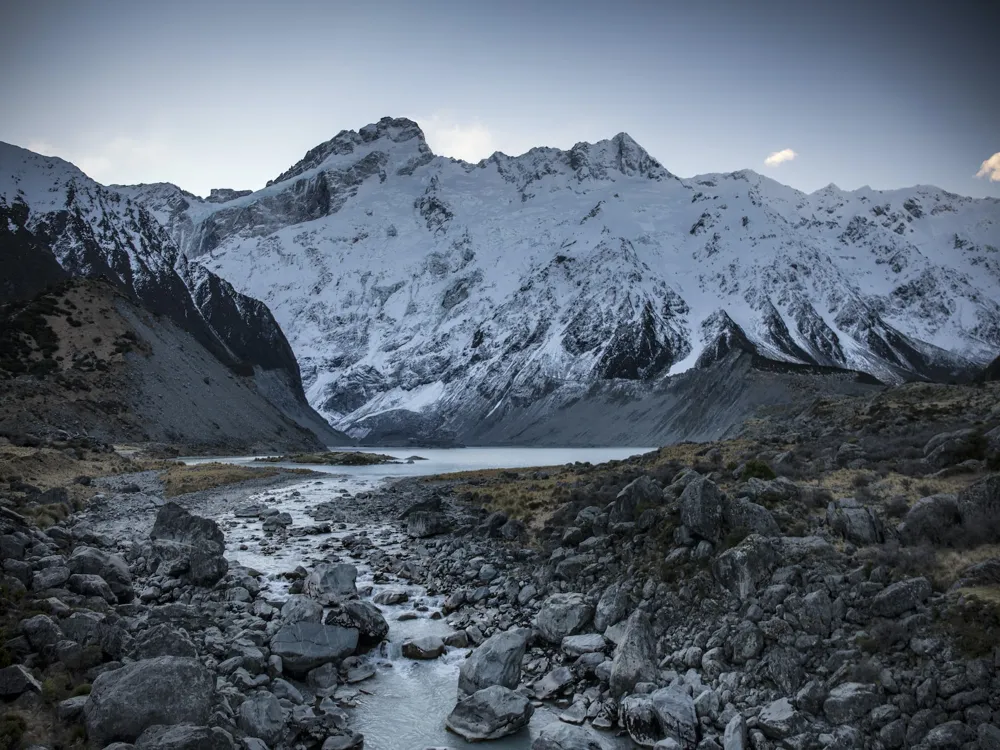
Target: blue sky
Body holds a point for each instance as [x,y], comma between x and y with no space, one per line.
[229,94]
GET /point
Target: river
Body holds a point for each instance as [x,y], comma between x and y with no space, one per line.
[404,705]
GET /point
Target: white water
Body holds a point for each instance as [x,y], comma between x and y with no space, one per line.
[408,700]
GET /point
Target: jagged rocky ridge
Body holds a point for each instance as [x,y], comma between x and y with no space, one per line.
[421,292]
[55,222]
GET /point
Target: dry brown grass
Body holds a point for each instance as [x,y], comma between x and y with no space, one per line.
[949,564]
[47,468]
[179,479]
[845,482]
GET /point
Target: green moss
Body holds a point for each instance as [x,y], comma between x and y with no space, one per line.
[12,729]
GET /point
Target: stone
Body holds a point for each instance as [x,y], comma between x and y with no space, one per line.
[779,719]
[261,716]
[611,608]
[489,714]
[784,669]
[49,578]
[635,657]
[701,509]
[751,518]
[735,735]
[168,690]
[989,737]
[112,568]
[299,608]
[931,519]
[559,736]
[71,709]
[306,645]
[553,683]
[355,741]
[561,615]
[42,633]
[364,616]
[746,566]
[979,510]
[952,735]
[665,713]
[163,640]
[854,522]
[427,647]
[637,496]
[331,582]
[746,643]
[589,643]
[86,584]
[15,680]
[423,524]
[497,661]
[184,737]
[901,597]
[849,702]
[194,544]
[390,597]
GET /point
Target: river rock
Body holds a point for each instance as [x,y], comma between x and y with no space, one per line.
[112,568]
[306,645]
[427,647]
[423,524]
[190,545]
[167,690]
[390,597]
[561,615]
[184,737]
[559,736]
[261,716]
[497,661]
[489,714]
[331,582]
[363,616]
[635,657]
[299,608]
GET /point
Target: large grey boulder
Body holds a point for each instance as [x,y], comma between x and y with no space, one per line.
[168,690]
[701,509]
[635,657]
[854,522]
[163,640]
[422,524]
[559,736]
[184,737]
[931,519]
[303,646]
[424,648]
[331,582]
[849,702]
[979,509]
[561,615]
[261,716]
[947,448]
[112,568]
[612,607]
[667,713]
[637,496]
[779,719]
[746,566]
[188,545]
[15,680]
[299,608]
[489,714]
[751,518]
[364,616]
[901,597]
[497,661]
[89,585]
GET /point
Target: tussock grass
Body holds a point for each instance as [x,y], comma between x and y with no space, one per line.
[180,479]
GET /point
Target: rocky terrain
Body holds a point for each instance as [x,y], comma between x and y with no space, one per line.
[429,297]
[828,579]
[84,359]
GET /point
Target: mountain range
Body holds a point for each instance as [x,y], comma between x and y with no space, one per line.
[562,296]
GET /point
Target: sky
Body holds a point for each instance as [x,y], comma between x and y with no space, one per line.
[230,94]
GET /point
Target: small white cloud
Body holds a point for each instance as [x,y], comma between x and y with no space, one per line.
[779,157]
[469,141]
[991,168]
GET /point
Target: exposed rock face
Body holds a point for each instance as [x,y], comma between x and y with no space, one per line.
[168,690]
[497,661]
[489,714]
[191,545]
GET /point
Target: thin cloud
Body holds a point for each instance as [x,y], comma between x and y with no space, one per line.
[991,168]
[780,157]
[469,141]
[122,159]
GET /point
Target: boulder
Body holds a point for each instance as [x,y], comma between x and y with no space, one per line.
[577,645]
[192,546]
[746,566]
[779,719]
[611,608]
[901,597]
[88,584]
[489,714]
[701,509]
[168,690]
[849,702]
[184,737]
[931,519]
[425,648]
[635,497]
[553,683]
[15,680]
[667,713]
[299,608]
[979,509]
[854,522]
[303,646]
[423,524]
[163,640]
[948,448]
[261,716]
[559,736]
[751,518]
[497,661]
[561,615]
[735,735]
[331,582]
[635,657]
[364,616]
[112,568]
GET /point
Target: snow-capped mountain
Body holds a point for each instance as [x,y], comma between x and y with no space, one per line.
[422,294]
[66,224]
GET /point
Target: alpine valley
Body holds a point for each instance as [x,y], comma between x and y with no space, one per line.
[574,297]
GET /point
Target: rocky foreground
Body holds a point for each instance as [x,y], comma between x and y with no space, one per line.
[801,591]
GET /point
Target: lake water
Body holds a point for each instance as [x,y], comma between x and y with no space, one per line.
[403,707]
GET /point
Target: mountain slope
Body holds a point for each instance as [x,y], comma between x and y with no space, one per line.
[429,295]
[83,358]
[54,214]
